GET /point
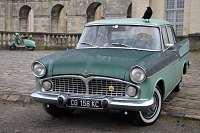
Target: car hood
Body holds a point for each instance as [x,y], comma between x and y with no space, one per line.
[97,62]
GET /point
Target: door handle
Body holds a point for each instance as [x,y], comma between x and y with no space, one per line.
[174,50]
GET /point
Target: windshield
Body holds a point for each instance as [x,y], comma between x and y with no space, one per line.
[138,37]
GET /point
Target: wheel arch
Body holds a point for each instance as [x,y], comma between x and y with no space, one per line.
[161,86]
[185,67]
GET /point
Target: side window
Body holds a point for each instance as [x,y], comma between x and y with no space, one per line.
[164,35]
[170,35]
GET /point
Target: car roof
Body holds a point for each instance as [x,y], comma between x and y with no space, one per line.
[129,21]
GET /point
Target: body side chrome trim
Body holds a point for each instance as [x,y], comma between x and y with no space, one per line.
[169,65]
[184,54]
[163,68]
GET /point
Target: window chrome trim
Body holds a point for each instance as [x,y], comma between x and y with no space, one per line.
[121,48]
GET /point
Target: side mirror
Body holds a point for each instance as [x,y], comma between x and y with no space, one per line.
[169,46]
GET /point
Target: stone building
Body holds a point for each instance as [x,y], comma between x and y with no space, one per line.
[61,16]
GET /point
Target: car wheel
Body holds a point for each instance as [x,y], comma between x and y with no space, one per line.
[12,47]
[54,111]
[178,86]
[149,116]
[31,48]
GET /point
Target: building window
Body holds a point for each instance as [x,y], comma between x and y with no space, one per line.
[175,14]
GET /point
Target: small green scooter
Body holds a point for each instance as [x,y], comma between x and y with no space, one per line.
[22,42]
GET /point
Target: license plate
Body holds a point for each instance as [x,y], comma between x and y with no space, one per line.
[84,103]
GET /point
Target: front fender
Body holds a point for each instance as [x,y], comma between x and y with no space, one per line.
[12,43]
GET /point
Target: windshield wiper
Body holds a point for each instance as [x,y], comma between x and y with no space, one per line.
[86,43]
[120,44]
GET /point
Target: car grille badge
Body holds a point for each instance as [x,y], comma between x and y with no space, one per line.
[111,88]
[85,74]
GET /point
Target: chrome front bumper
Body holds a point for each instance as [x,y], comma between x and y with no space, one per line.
[106,102]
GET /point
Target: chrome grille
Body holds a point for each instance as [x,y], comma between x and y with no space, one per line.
[101,87]
[89,86]
[69,85]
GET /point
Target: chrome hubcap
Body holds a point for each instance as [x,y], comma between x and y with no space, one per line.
[148,114]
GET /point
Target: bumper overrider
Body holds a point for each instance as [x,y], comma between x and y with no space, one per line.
[102,103]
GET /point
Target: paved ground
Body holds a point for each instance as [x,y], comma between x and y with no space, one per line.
[17,82]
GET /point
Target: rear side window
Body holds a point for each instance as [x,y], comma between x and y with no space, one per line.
[170,35]
[165,36]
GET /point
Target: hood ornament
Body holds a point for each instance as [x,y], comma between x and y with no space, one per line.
[85,74]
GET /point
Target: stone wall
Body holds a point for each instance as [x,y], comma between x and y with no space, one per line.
[74,14]
[47,14]
[191,17]
[194,41]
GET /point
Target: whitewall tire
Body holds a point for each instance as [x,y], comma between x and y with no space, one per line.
[149,116]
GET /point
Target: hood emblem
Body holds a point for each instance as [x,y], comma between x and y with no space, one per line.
[85,74]
[111,88]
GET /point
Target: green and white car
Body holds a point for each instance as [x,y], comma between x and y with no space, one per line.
[120,65]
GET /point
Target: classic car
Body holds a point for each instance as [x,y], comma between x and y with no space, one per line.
[119,65]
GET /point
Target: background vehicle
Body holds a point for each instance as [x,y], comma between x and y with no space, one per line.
[22,42]
[119,65]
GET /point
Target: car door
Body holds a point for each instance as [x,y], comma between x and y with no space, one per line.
[182,46]
[172,55]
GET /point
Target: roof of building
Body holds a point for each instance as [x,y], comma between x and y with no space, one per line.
[129,21]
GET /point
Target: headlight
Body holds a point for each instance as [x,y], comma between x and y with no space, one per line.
[131,91]
[38,69]
[137,74]
[47,85]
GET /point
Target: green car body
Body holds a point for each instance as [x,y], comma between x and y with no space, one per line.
[124,76]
